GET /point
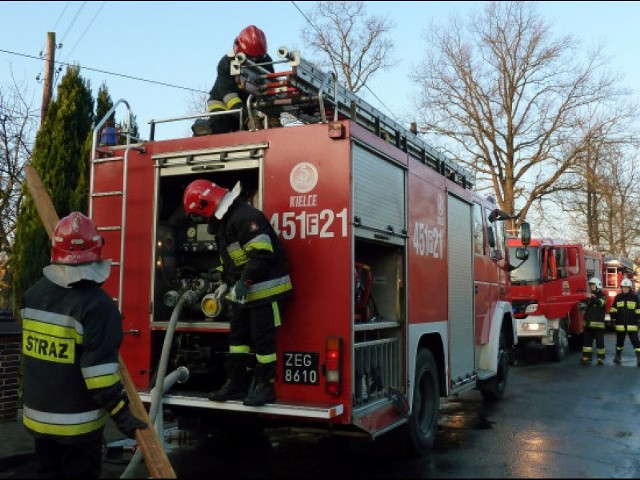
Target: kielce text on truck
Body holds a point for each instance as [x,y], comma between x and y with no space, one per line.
[400,269]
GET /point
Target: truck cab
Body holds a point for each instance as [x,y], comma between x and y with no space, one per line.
[547,291]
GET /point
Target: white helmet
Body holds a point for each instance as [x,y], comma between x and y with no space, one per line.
[596,281]
[626,283]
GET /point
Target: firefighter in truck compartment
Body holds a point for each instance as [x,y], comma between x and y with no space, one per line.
[594,323]
[626,312]
[256,275]
[71,335]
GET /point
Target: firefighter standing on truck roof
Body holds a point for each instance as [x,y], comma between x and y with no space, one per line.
[71,334]
[226,94]
[255,268]
[594,323]
[625,310]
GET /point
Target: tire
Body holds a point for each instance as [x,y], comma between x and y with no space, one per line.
[494,388]
[558,351]
[425,410]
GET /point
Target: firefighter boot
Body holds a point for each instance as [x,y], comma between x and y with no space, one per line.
[586,357]
[237,384]
[638,357]
[618,358]
[262,390]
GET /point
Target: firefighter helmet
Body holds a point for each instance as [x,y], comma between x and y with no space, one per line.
[76,241]
[202,197]
[596,281]
[251,41]
[626,283]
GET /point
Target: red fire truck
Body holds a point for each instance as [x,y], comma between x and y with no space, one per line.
[547,291]
[399,268]
[615,268]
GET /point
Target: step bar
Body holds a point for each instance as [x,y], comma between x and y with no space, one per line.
[289,409]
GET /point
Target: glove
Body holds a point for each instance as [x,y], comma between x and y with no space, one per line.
[240,291]
[127,422]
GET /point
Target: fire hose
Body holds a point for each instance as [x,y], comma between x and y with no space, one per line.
[189,297]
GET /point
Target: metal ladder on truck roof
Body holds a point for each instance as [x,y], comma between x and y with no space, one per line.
[311,91]
[122,193]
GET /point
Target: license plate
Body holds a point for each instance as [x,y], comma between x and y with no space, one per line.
[301,368]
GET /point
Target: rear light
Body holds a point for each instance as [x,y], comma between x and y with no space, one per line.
[333,366]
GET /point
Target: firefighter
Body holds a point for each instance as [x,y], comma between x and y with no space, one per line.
[71,335]
[594,323]
[226,94]
[625,310]
[255,269]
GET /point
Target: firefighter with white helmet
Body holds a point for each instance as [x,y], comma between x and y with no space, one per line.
[255,268]
[625,310]
[594,323]
[71,335]
[226,94]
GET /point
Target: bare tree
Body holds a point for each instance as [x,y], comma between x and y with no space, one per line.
[355,45]
[512,98]
[18,123]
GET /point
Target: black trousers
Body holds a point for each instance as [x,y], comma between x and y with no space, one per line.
[620,336]
[58,460]
[593,334]
[256,327]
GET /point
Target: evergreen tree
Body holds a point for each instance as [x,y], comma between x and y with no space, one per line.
[61,158]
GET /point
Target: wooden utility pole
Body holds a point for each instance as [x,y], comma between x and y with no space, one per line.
[48,74]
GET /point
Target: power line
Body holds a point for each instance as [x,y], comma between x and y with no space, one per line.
[73,21]
[130,77]
[85,30]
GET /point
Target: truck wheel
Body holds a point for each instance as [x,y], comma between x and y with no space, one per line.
[494,388]
[423,421]
[558,350]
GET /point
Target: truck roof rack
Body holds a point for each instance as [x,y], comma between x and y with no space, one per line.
[311,95]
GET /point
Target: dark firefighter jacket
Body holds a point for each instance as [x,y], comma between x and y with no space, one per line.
[251,251]
[594,315]
[625,311]
[70,342]
[226,93]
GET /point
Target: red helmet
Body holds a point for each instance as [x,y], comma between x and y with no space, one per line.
[202,197]
[76,240]
[251,41]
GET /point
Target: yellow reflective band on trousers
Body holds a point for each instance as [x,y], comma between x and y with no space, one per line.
[239,349]
[626,328]
[266,358]
[599,325]
[64,424]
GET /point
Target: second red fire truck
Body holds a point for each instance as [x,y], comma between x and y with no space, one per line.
[400,270]
[547,291]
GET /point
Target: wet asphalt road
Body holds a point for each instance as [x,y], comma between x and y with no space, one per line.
[557,420]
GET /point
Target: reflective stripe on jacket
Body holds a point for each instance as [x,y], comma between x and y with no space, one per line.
[251,251]
[70,342]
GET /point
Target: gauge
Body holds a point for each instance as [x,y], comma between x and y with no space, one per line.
[191,232]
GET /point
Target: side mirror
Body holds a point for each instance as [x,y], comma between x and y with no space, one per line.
[498,214]
[525,233]
[522,253]
[491,237]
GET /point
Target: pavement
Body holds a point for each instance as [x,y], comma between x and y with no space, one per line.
[17,455]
